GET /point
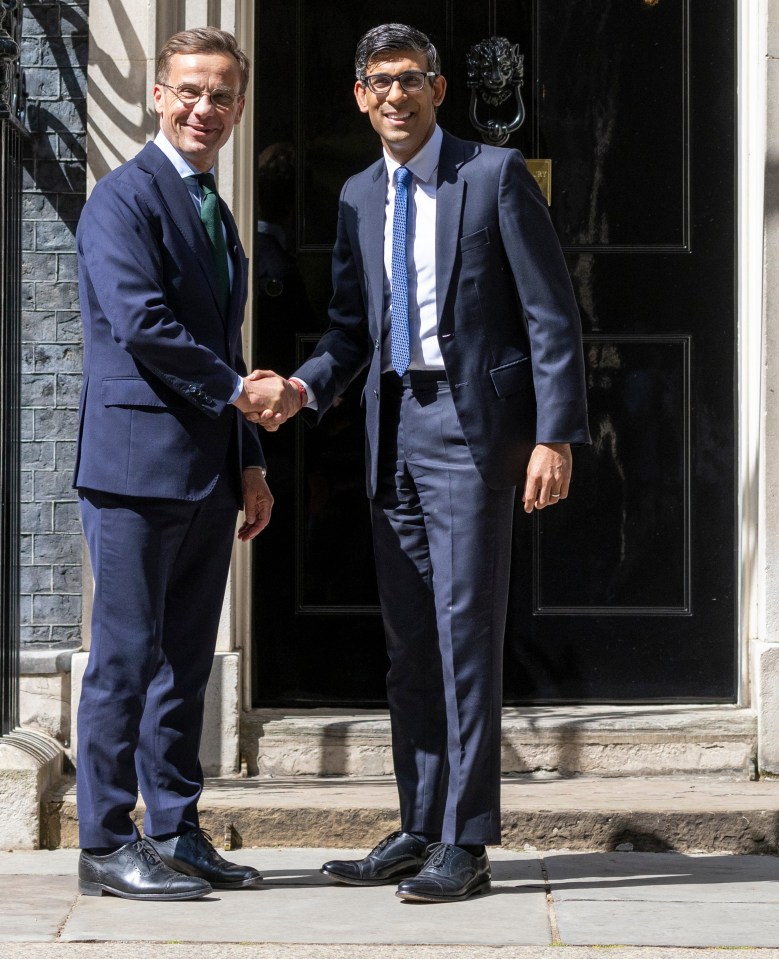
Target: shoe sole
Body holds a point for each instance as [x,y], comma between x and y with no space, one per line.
[98,889]
[431,897]
[243,884]
[370,882]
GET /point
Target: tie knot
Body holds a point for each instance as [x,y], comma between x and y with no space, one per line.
[403,176]
[206,181]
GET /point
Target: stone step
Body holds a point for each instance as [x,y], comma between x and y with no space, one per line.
[690,814]
[560,740]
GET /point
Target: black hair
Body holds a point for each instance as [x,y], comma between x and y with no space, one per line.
[393,36]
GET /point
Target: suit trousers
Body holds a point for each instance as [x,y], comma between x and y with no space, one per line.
[160,568]
[442,541]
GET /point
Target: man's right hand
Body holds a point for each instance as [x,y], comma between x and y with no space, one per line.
[268,399]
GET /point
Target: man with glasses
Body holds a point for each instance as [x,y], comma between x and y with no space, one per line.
[450,286]
[165,460]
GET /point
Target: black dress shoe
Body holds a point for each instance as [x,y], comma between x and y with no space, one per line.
[193,855]
[135,871]
[451,874]
[397,856]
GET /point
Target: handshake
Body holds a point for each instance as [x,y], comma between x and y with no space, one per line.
[269,399]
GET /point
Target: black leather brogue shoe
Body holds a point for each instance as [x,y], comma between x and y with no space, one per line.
[397,856]
[135,871]
[451,874]
[193,854]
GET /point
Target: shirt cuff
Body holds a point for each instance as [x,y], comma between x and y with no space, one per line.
[310,403]
[237,391]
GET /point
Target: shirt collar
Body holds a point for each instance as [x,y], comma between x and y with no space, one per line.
[423,164]
[183,167]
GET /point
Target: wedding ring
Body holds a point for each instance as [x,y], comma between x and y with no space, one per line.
[555,496]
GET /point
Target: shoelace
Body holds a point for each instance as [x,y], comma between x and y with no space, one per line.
[205,834]
[385,842]
[146,853]
[441,854]
[209,851]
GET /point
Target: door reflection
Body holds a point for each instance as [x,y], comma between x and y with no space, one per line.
[315,559]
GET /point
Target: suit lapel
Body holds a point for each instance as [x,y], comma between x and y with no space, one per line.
[235,252]
[371,228]
[450,197]
[176,198]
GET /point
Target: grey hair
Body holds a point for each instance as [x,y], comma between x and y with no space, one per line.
[393,36]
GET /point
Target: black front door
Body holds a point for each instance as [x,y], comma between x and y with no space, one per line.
[627,592]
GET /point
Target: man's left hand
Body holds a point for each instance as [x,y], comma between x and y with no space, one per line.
[257,504]
[548,476]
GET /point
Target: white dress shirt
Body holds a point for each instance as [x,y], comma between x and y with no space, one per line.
[422,312]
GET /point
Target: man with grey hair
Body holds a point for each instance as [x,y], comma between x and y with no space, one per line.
[450,286]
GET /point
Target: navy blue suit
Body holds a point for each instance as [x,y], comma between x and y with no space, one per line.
[158,469]
[443,458]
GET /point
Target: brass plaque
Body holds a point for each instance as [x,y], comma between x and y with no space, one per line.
[542,171]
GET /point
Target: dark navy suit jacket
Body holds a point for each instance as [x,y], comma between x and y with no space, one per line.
[160,359]
[508,324]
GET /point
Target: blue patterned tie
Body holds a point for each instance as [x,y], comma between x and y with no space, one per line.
[399,340]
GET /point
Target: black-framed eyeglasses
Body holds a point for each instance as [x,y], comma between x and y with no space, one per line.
[190,95]
[411,81]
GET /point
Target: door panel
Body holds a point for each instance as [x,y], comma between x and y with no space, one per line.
[595,555]
[625,593]
[613,98]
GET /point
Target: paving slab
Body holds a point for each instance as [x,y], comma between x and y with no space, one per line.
[665,900]
[662,877]
[35,907]
[555,904]
[296,904]
[39,862]
[704,924]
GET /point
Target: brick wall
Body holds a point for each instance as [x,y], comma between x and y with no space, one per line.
[54,60]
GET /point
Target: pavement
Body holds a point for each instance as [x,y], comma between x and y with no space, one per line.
[553,904]
[625,868]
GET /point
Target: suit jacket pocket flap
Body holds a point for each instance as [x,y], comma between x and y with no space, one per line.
[471,240]
[512,377]
[134,391]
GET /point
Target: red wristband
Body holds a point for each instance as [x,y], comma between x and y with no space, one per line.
[301,390]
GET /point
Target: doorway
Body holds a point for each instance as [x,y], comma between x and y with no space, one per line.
[627,594]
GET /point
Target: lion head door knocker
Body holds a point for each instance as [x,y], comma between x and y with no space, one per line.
[495,74]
